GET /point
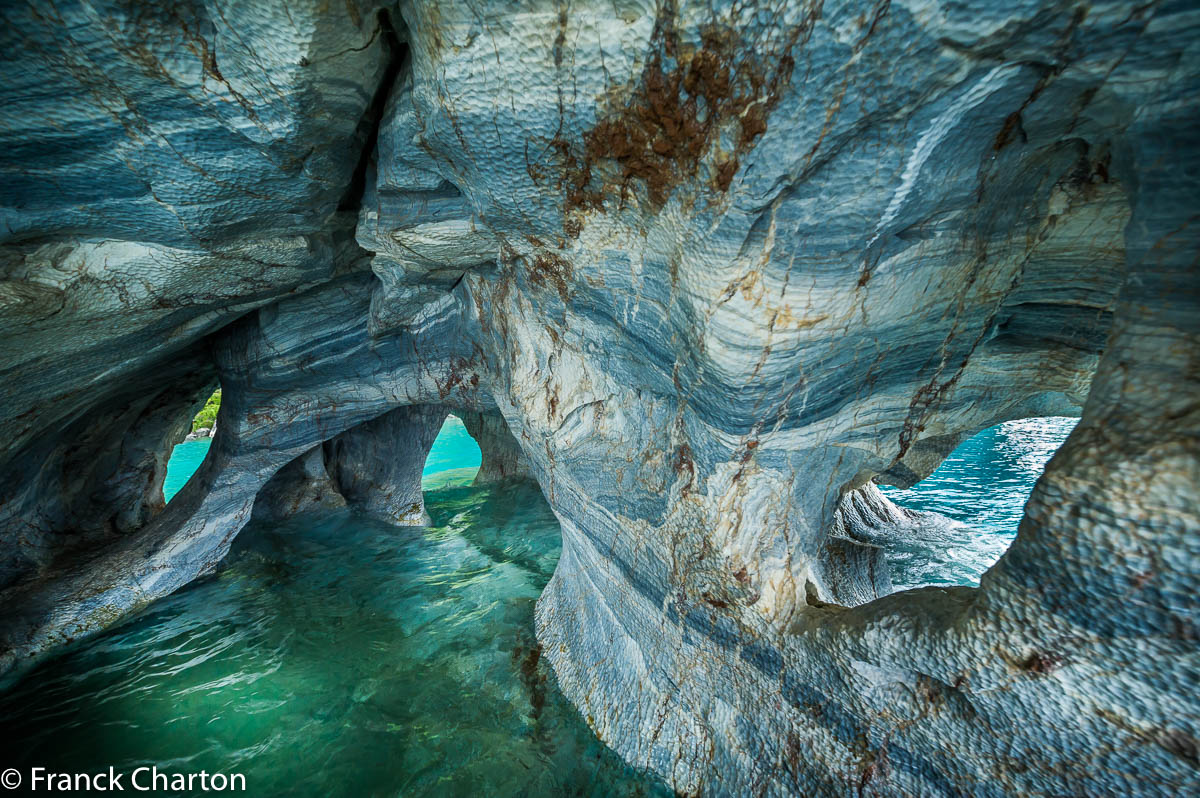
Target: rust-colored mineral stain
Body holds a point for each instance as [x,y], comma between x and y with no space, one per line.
[672,117]
[725,172]
[550,271]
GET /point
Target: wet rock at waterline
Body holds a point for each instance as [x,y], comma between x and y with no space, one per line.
[719,269]
[375,467]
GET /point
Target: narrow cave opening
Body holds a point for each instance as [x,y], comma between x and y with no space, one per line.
[957,522]
[188,453]
[454,456]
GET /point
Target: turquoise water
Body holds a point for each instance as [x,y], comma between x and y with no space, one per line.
[185,459]
[979,493]
[337,656]
[454,448]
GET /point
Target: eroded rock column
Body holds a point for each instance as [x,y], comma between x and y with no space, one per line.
[750,260]
[374,467]
[293,376]
[501,454]
[377,465]
[301,486]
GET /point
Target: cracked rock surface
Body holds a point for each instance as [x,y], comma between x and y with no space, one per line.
[705,272]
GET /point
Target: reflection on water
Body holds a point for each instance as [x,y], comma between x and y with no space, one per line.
[981,488]
[338,656]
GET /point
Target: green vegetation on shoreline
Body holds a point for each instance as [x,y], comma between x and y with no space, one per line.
[207,416]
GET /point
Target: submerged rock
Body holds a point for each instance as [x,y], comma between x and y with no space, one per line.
[716,269]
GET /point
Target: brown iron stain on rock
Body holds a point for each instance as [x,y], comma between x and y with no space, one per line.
[1009,131]
[725,172]
[672,118]
[1043,663]
[550,271]
[683,462]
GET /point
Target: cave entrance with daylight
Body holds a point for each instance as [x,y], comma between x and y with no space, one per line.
[337,635]
[187,454]
[958,521]
[454,450]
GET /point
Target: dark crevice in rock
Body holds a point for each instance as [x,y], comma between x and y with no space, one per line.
[368,126]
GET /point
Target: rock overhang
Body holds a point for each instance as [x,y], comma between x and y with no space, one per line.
[716,269]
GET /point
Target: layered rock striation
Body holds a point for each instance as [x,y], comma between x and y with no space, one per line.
[707,273]
[501,456]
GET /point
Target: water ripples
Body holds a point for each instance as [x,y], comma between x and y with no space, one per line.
[338,656]
[979,494]
[334,655]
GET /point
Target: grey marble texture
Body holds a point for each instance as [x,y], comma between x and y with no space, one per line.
[717,268]
[501,456]
[377,465]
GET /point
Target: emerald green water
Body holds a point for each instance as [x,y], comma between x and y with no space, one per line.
[337,656]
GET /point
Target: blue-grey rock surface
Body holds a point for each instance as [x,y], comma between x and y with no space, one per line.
[719,268]
[501,458]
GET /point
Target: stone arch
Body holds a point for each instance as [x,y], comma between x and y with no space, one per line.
[277,405]
[502,459]
[374,467]
[98,475]
[918,533]
[701,350]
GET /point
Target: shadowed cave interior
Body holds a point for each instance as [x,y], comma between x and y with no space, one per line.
[725,292]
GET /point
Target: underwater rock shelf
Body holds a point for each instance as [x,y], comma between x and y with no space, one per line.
[709,275]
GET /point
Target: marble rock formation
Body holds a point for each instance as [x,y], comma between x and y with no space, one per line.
[301,486]
[501,454]
[718,268]
[375,467]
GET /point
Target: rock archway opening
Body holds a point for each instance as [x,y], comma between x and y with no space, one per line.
[339,624]
[189,451]
[383,466]
[96,478]
[953,525]
[454,454]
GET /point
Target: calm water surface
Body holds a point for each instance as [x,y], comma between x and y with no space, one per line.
[335,656]
[185,459]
